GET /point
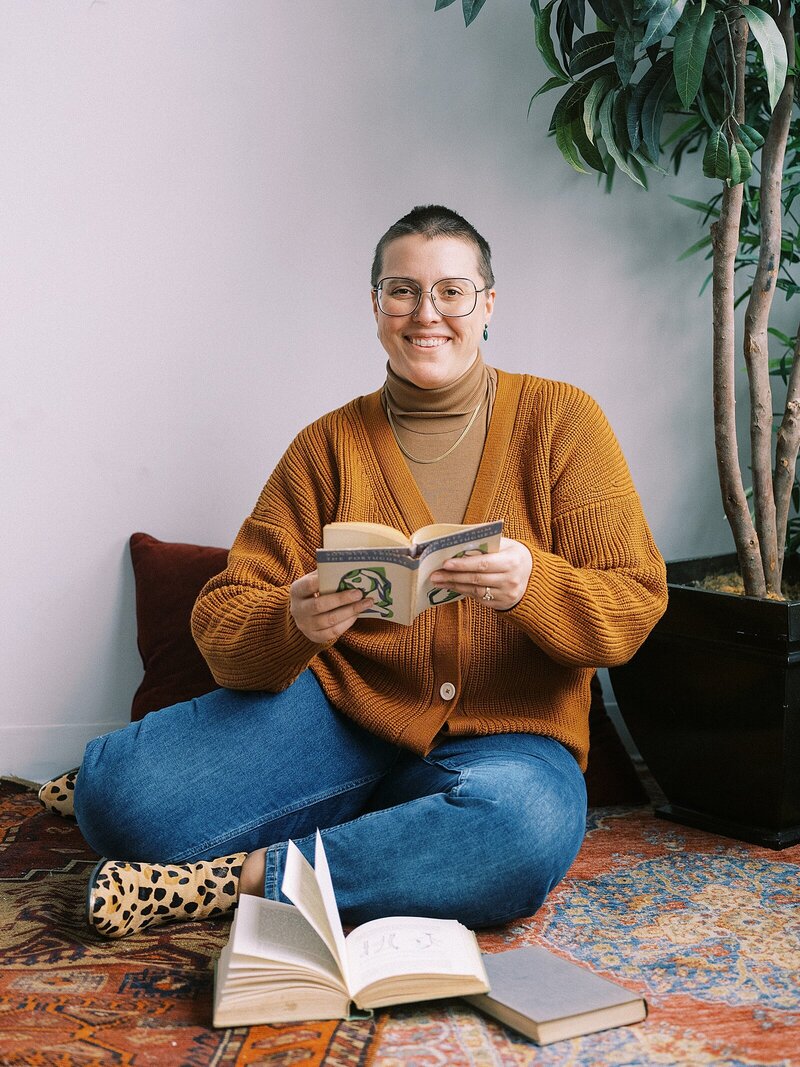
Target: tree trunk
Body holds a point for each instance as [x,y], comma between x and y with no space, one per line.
[756,323]
[724,243]
[788,439]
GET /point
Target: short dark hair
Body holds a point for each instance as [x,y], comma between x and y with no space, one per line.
[433,220]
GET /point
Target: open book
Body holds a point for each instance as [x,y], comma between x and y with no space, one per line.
[287,964]
[548,998]
[394,569]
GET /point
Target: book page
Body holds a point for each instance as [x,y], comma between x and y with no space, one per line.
[349,535]
[311,891]
[272,932]
[436,530]
[387,948]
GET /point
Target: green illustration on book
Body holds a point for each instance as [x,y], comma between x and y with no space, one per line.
[442,596]
[372,582]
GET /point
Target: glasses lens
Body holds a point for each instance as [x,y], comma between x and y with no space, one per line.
[398,296]
[455,296]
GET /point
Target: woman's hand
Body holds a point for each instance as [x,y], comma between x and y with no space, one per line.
[496,579]
[322,617]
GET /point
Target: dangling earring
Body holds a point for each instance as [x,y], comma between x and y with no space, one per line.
[485,331]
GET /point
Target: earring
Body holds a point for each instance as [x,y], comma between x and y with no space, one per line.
[485,332]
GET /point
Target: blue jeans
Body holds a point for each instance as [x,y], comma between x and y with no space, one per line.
[479,830]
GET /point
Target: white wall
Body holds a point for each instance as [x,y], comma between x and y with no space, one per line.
[172,175]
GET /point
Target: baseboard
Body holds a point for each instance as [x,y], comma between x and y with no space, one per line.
[38,753]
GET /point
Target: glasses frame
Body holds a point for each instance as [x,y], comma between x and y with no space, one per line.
[424,292]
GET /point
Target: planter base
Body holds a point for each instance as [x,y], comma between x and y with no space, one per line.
[712,701]
[756,835]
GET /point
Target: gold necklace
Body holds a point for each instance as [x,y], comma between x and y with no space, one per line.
[452,447]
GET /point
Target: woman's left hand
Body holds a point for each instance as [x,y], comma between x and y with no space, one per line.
[496,579]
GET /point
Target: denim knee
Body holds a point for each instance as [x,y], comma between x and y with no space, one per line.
[112,809]
[533,827]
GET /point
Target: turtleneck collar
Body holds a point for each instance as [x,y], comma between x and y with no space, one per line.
[456,398]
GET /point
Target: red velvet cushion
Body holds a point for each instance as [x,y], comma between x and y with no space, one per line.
[168,578]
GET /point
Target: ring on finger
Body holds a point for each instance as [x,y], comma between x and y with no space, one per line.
[488,594]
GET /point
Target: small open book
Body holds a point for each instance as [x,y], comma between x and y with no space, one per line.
[394,569]
[286,964]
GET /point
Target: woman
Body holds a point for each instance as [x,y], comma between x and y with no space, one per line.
[442,761]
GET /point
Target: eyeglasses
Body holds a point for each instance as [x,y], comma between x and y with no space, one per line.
[453,298]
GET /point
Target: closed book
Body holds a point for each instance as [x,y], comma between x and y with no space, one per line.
[548,998]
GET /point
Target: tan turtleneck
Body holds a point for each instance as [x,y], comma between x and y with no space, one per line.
[427,422]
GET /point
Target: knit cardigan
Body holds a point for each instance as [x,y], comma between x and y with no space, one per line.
[553,471]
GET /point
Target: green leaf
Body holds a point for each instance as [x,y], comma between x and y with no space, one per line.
[577,10]
[741,164]
[653,113]
[551,83]
[442,3]
[544,42]
[471,9]
[663,23]
[652,9]
[567,148]
[570,106]
[689,53]
[624,48]
[591,106]
[590,50]
[697,205]
[608,133]
[773,49]
[704,242]
[717,156]
[750,138]
[637,99]
[587,148]
[734,167]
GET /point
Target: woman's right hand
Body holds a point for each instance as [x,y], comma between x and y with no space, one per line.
[322,617]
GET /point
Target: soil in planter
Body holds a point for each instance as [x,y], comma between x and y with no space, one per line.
[732,583]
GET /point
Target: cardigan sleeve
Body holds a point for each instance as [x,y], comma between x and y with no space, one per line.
[592,600]
[241,620]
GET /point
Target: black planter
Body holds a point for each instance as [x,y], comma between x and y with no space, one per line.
[712,701]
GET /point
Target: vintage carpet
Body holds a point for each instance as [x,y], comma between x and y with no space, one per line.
[707,929]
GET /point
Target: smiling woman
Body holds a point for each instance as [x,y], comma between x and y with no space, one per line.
[441,761]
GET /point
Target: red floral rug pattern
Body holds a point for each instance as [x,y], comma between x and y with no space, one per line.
[707,929]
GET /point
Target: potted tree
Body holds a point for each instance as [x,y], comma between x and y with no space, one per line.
[712,699]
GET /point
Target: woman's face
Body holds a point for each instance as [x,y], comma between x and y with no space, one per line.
[426,347]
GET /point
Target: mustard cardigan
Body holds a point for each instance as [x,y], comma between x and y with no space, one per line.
[553,471]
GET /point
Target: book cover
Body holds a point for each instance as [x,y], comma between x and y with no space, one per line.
[548,998]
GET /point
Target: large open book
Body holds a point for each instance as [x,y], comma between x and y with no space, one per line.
[285,963]
[394,569]
[548,998]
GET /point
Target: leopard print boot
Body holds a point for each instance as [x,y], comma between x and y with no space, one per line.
[125,897]
[58,795]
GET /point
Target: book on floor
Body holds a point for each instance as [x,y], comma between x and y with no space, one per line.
[548,998]
[394,569]
[292,962]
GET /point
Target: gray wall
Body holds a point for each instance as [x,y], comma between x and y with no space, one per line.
[173,175]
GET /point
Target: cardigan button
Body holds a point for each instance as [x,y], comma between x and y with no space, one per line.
[447,691]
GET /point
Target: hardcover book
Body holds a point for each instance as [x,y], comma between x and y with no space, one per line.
[292,962]
[548,998]
[394,569]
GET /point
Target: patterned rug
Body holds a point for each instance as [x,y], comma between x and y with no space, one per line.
[707,929]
